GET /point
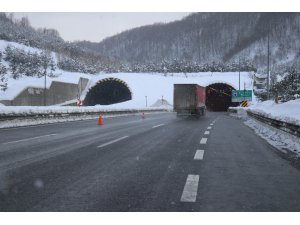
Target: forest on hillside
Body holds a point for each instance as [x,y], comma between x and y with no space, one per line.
[210,38]
[71,57]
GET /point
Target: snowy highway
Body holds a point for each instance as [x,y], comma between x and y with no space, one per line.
[160,163]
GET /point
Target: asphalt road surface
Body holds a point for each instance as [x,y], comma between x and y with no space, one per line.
[160,163]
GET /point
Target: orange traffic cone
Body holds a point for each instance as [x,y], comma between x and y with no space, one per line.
[143,115]
[100,120]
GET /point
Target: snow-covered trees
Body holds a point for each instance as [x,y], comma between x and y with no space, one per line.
[69,64]
[3,78]
[184,66]
[26,63]
[289,87]
[20,31]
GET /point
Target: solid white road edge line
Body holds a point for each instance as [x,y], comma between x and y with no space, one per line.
[158,125]
[111,142]
[203,141]
[206,132]
[190,190]
[199,155]
[28,139]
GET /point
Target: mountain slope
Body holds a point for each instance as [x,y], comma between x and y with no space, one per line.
[210,37]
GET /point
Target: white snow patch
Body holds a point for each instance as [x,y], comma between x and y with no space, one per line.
[287,112]
[40,120]
[277,138]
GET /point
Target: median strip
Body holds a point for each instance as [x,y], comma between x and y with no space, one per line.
[190,189]
[113,141]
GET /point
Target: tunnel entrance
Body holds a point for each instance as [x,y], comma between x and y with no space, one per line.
[108,91]
[218,97]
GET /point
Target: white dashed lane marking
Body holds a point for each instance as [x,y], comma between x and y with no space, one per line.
[211,124]
[206,132]
[29,139]
[158,125]
[113,141]
[203,141]
[190,190]
[209,128]
[199,155]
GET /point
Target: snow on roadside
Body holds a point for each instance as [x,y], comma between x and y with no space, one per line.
[40,121]
[29,110]
[277,138]
[287,112]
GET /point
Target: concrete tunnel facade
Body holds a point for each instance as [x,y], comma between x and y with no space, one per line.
[113,90]
[108,91]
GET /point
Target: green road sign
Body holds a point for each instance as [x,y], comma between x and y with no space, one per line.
[242,95]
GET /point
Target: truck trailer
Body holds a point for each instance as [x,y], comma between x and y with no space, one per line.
[189,100]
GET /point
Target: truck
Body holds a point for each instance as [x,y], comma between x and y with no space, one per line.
[189,100]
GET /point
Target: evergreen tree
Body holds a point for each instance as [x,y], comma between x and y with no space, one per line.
[289,87]
[3,78]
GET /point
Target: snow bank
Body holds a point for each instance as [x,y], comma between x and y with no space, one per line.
[277,138]
[29,110]
[287,112]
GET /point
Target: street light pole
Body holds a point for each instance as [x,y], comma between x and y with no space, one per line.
[239,74]
[268,69]
[239,63]
[146,101]
[45,89]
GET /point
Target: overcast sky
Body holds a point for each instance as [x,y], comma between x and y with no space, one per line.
[96,26]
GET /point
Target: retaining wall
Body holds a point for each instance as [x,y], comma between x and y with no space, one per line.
[58,92]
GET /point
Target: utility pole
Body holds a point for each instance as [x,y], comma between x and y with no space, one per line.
[239,63]
[239,74]
[45,73]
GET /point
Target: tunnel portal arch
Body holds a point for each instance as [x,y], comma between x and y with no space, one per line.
[218,97]
[108,91]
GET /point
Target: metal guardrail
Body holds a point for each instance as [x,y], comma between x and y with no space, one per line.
[10,117]
[284,126]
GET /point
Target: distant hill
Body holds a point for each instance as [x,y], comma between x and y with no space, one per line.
[210,37]
[71,57]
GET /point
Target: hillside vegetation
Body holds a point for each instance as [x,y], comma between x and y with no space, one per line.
[71,57]
[209,38]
